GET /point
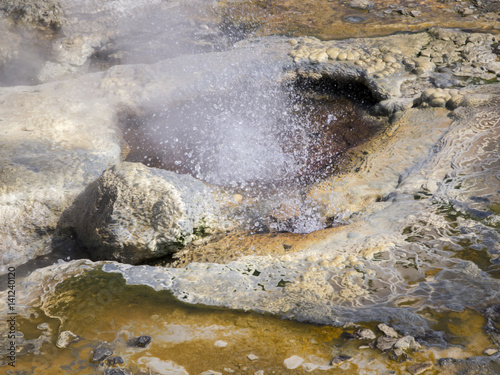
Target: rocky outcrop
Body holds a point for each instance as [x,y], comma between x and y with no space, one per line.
[377,63]
[59,137]
[361,4]
[46,13]
[403,66]
[133,213]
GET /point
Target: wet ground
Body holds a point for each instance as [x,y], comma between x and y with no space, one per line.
[99,307]
[327,19]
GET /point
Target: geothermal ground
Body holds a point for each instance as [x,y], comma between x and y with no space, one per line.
[250,187]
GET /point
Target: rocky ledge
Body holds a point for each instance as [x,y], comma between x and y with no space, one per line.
[403,66]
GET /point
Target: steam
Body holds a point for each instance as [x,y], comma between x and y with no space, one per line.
[169,29]
[94,35]
[22,55]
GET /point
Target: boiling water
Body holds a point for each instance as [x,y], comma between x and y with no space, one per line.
[260,135]
[264,140]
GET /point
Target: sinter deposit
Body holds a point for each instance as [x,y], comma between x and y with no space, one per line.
[388,241]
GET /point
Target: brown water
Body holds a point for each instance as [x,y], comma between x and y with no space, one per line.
[99,307]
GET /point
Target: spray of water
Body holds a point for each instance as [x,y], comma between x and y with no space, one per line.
[234,140]
[262,139]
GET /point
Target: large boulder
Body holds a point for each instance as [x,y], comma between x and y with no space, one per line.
[133,213]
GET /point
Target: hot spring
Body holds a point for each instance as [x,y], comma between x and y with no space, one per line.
[249,187]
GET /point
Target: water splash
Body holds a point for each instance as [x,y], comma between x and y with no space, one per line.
[262,134]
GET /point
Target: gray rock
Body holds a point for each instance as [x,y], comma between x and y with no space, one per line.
[420,368]
[388,331]
[403,11]
[490,351]
[473,365]
[113,361]
[337,360]
[438,102]
[139,342]
[466,12]
[494,67]
[293,362]
[444,80]
[133,213]
[66,338]
[365,334]
[361,4]
[220,344]
[101,353]
[385,343]
[397,355]
[406,342]
[455,101]
[391,106]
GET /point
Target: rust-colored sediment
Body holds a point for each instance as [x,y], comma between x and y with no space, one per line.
[101,307]
[328,19]
[228,247]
